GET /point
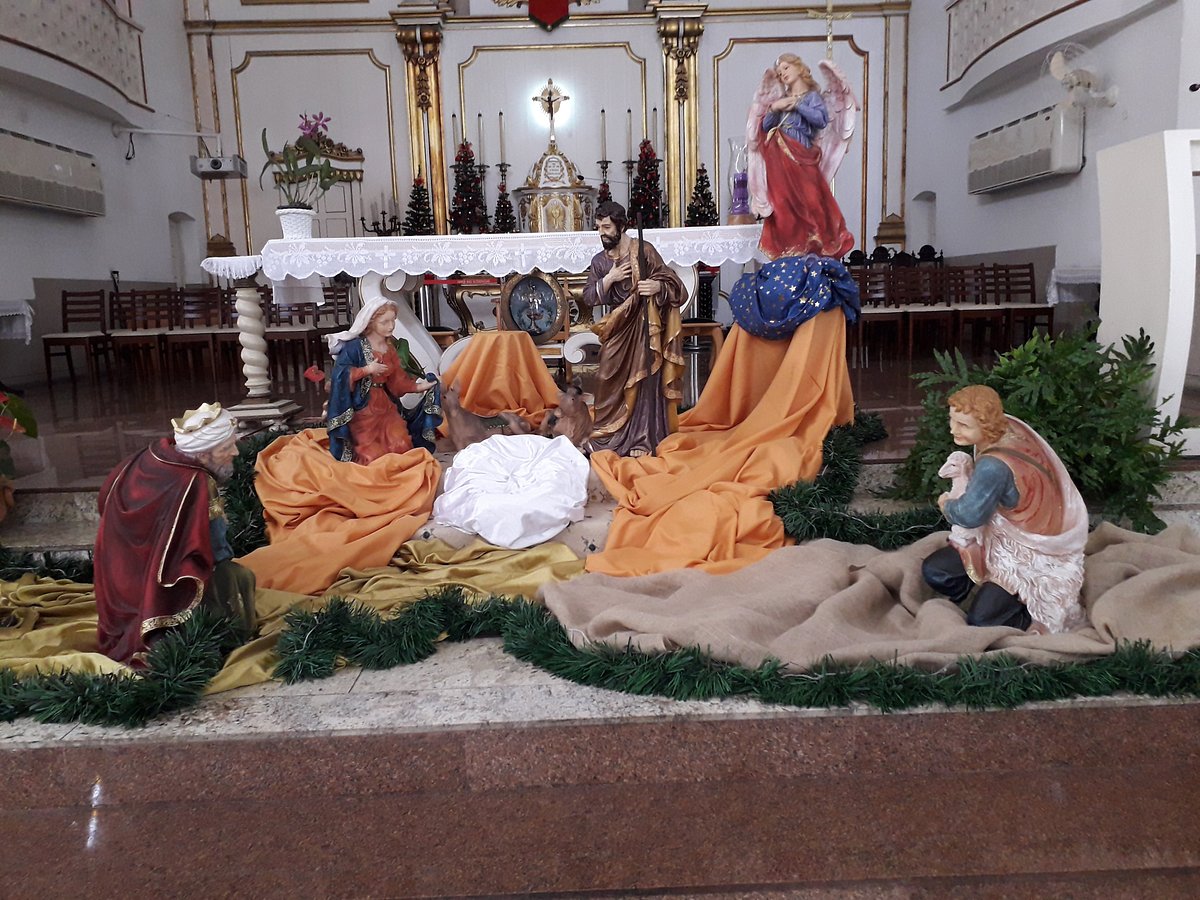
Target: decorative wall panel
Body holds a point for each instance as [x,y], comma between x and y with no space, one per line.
[87,34]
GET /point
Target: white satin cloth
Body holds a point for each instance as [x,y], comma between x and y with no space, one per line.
[514,491]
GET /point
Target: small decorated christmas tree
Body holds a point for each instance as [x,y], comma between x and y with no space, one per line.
[468,212]
[702,209]
[647,195]
[604,194]
[418,217]
[506,220]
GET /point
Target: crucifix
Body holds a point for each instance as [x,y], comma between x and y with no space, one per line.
[829,17]
[550,98]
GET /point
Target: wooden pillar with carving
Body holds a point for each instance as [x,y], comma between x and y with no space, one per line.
[422,46]
[680,35]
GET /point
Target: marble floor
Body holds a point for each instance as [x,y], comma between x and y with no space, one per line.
[86,428]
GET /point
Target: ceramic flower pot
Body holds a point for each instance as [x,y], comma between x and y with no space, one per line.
[297,224]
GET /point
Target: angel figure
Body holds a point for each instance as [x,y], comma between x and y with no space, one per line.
[796,137]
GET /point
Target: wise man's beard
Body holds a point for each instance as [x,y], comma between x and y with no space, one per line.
[221,473]
[610,241]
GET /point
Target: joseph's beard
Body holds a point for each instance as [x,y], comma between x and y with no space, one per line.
[610,241]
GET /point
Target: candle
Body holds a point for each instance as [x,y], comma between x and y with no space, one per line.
[454,130]
[479,123]
[374,211]
[501,137]
[628,134]
[654,127]
[603,142]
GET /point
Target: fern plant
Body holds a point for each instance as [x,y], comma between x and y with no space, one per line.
[1091,404]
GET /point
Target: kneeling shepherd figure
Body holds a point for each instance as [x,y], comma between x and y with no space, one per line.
[1019,522]
[162,548]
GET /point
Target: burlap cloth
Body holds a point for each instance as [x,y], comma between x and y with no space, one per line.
[854,603]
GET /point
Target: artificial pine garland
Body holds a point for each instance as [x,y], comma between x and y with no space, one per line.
[179,667]
[532,634]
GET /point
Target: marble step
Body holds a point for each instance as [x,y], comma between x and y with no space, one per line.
[66,521]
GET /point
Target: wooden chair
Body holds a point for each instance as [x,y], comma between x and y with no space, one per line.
[920,292]
[200,318]
[976,304]
[83,325]
[1018,294]
[140,321]
[293,339]
[877,312]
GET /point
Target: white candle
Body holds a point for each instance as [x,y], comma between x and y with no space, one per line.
[654,128]
[454,131]
[628,134]
[501,137]
[374,211]
[603,141]
[479,123]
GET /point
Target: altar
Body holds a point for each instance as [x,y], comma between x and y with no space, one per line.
[490,254]
[389,266]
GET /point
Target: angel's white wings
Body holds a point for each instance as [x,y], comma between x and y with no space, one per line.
[833,140]
[842,108]
[769,90]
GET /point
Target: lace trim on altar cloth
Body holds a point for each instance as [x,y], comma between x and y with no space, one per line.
[232,267]
[494,254]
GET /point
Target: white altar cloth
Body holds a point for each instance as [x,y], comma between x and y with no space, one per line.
[495,254]
[16,321]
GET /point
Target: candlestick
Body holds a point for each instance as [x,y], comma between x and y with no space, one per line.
[603,141]
[479,123]
[503,160]
[629,134]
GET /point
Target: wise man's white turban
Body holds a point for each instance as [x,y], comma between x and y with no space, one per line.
[204,428]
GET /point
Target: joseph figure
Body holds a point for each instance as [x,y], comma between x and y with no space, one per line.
[641,359]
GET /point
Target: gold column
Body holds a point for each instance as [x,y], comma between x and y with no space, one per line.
[681,117]
[422,45]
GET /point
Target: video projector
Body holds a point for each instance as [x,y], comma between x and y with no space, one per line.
[210,167]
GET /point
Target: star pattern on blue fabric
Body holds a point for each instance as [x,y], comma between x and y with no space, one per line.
[786,292]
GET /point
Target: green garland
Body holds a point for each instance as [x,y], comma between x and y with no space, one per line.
[819,509]
[315,641]
[179,667]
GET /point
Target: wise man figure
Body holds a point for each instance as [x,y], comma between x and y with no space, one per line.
[641,358]
[162,549]
[1019,523]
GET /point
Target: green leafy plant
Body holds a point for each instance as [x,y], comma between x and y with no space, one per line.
[1091,404]
[15,418]
[302,172]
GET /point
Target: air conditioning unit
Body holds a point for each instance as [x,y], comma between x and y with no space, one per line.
[45,175]
[1047,142]
[209,167]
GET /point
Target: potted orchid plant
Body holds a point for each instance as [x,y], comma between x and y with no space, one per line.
[302,174]
[15,418]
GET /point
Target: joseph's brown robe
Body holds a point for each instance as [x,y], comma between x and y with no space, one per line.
[641,360]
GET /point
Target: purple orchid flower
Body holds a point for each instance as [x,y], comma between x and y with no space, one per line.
[315,125]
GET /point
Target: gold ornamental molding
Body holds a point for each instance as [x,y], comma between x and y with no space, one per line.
[252,55]
[422,49]
[680,36]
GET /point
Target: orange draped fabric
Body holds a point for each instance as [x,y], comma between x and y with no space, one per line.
[701,501]
[503,371]
[323,515]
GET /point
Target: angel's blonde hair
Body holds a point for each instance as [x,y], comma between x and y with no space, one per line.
[805,71]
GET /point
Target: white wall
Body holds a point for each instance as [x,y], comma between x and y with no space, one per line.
[1139,52]
[134,236]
